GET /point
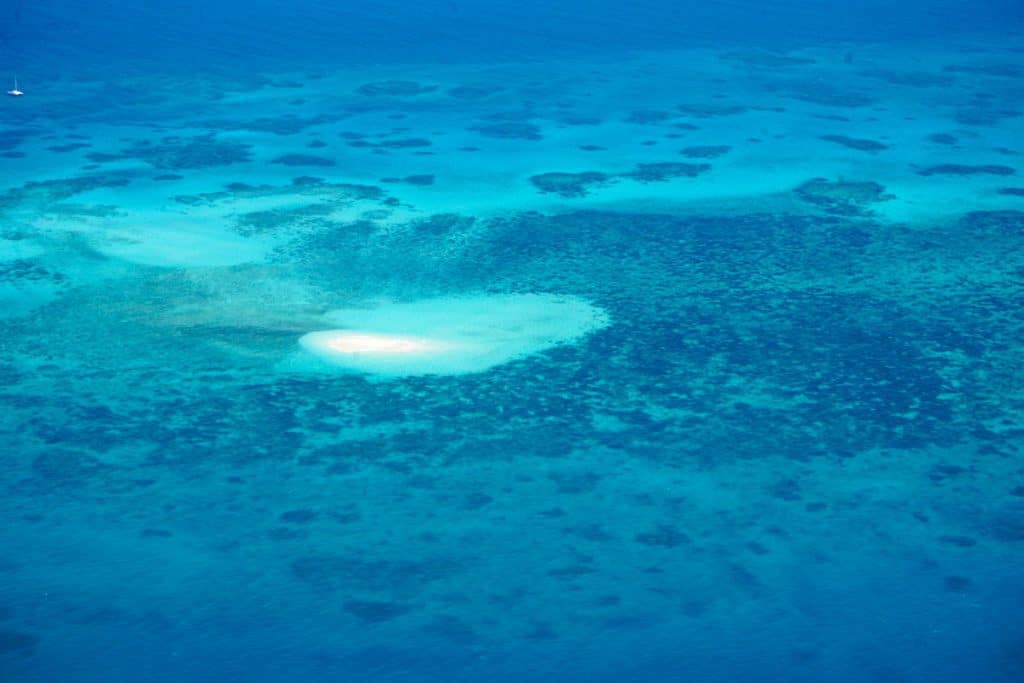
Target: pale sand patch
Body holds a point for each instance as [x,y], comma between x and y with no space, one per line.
[444,336]
[170,247]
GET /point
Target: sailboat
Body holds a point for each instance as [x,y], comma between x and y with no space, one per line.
[15,92]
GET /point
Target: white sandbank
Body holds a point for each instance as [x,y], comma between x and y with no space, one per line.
[444,336]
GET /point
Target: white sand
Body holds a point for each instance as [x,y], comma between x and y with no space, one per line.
[445,336]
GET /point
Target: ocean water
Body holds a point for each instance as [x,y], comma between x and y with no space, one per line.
[567,341]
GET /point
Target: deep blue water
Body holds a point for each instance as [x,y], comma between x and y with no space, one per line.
[696,341]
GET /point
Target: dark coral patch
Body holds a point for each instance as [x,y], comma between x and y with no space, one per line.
[17,643]
[580,120]
[11,138]
[957,584]
[303,160]
[103,157]
[452,629]
[705,151]
[843,198]
[301,516]
[510,115]
[1006,524]
[569,184]
[341,572]
[63,467]
[375,611]
[958,541]
[666,170]
[282,534]
[270,220]
[510,130]
[333,194]
[981,115]
[573,482]
[963,170]
[860,144]
[908,78]
[1002,70]
[289,124]
[765,60]
[421,180]
[396,143]
[785,489]
[707,111]
[476,501]
[942,139]
[173,152]
[50,191]
[818,92]
[70,147]
[648,116]
[395,88]
[664,535]
[155,533]
[29,270]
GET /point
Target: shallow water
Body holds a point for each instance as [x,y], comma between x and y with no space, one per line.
[729,382]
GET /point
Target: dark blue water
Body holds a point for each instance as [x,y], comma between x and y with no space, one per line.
[573,341]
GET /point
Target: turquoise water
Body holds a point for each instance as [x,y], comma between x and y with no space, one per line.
[664,358]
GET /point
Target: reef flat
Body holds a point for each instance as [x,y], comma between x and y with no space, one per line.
[746,399]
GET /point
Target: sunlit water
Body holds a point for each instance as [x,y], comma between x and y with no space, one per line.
[515,351]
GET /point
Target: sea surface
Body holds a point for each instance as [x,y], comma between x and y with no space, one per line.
[508,342]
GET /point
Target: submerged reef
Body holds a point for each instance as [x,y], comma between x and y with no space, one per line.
[705,151]
[510,130]
[303,186]
[983,113]
[270,220]
[1005,70]
[179,153]
[303,160]
[420,180]
[840,197]
[579,184]
[386,144]
[765,60]
[569,184]
[666,170]
[70,147]
[395,88]
[17,643]
[288,124]
[707,111]
[856,143]
[648,116]
[920,79]
[943,139]
[45,192]
[804,401]
[966,169]
[816,92]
